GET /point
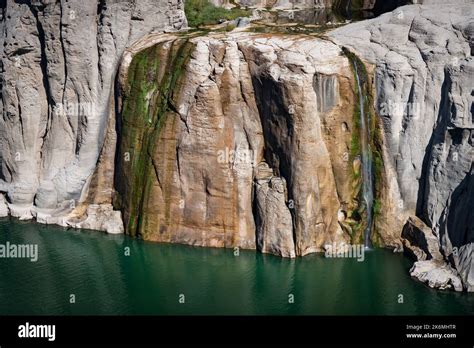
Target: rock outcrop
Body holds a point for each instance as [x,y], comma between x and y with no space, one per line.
[379,5]
[423,80]
[241,139]
[430,267]
[436,274]
[419,241]
[273,217]
[229,125]
[58,65]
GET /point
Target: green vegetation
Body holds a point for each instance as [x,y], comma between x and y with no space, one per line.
[355,149]
[375,140]
[378,166]
[377,154]
[377,207]
[356,234]
[230,27]
[154,79]
[355,140]
[137,120]
[202,12]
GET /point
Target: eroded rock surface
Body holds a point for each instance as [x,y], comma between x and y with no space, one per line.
[273,217]
[436,274]
[59,60]
[420,241]
[423,77]
[382,5]
[238,100]
[239,139]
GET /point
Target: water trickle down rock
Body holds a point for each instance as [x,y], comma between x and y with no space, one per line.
[423,73]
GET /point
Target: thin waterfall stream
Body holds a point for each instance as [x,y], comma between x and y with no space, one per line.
[367,172]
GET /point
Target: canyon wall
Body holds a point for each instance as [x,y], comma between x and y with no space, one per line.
[424,67]
[249,145]
[226,141]
[240,139]
[58,65]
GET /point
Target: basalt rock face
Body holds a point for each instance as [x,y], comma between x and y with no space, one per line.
[239,139]
[57,125]
[423,79]
[222,144]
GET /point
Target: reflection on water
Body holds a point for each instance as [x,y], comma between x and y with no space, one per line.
[93,266]
[318,19]
[316,16]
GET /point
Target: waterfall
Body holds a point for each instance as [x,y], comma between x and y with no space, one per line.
[367,172]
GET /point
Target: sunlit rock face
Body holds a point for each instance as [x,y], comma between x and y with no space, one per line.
[57,129]
[423,76]
[240,154]
[239,139]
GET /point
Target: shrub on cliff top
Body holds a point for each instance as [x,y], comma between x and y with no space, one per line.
[202,12]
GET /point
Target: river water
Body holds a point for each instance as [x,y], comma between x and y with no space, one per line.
[93,267]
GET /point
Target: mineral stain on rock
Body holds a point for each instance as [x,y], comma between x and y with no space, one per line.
[155,112]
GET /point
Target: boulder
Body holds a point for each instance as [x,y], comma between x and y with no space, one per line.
[436,274]
[420,241]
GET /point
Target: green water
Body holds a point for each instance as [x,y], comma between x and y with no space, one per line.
[93,266]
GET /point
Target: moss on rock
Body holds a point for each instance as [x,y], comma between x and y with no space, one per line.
[154,82]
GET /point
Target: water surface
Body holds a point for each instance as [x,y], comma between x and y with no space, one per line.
[93,266]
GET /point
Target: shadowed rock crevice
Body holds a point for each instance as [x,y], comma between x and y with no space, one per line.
[274,193]
[460,220]
[436,139]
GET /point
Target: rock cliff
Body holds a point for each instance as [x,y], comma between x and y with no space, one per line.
[229,128]
[58,65]
[242,139]
[423,79]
